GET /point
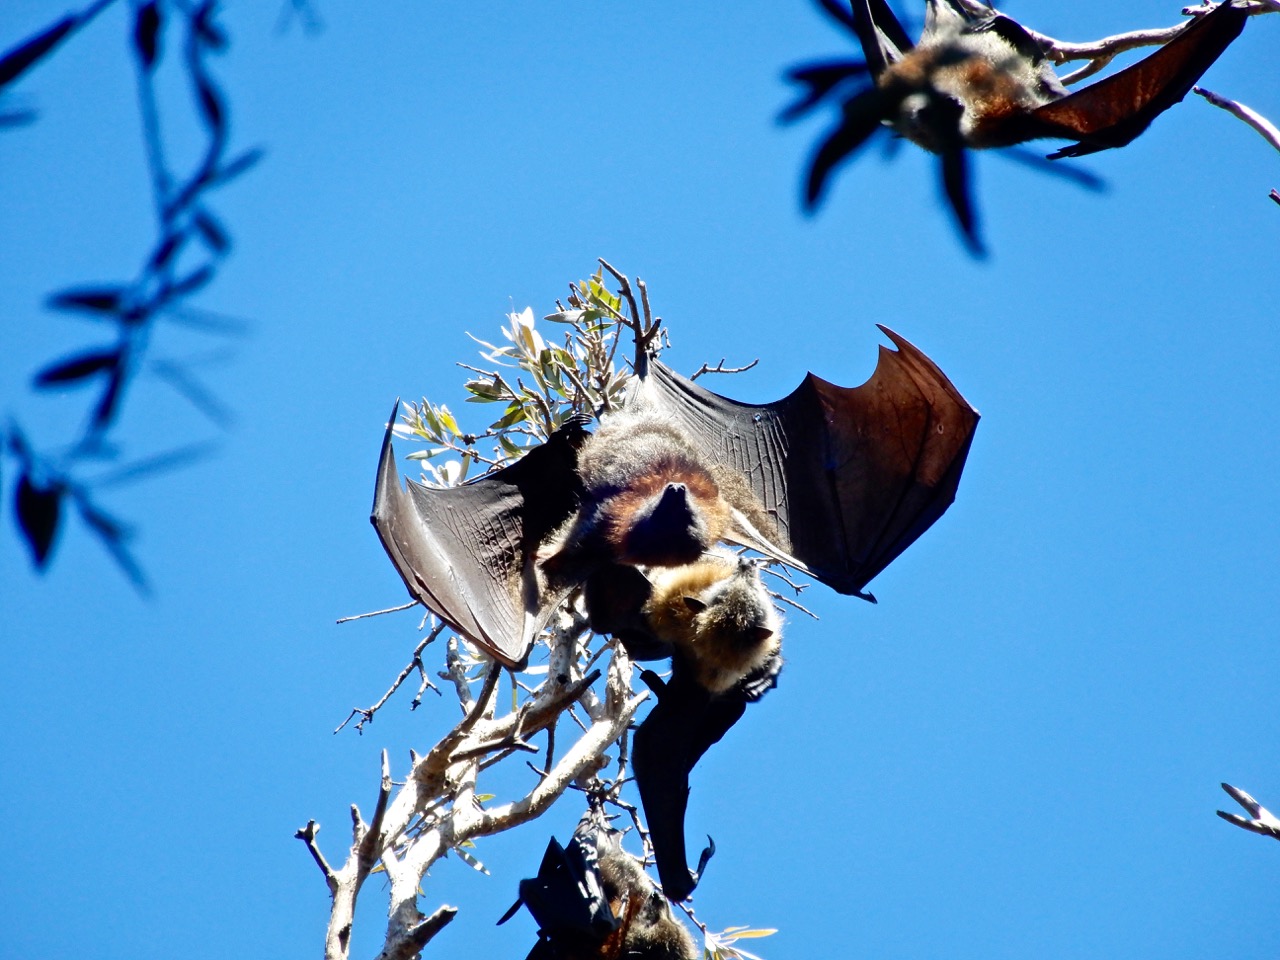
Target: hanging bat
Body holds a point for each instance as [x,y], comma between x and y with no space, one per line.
[833,481]
[976,81]
[593,899]
[718,624]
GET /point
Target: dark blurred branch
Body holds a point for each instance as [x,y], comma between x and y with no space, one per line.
[21,58]
[181,262]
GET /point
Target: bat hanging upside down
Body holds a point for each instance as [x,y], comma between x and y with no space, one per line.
[593,901]
[979,80]
[832,481]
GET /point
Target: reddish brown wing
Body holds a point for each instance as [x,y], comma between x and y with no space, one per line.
[1114,111]
[466,552]
[851,475]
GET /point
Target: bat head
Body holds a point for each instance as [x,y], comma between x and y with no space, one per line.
[667,516]
[717,613]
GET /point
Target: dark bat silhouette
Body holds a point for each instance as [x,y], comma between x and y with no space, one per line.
[593,899]
[980,81]
[834,481]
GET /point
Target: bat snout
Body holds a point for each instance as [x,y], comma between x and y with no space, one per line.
[670,533]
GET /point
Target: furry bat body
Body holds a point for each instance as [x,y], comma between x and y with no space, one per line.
[975,81]
[592,899]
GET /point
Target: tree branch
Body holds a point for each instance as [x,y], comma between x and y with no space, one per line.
[1260,819]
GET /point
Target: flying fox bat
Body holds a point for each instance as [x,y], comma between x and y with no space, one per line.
[833,481]
[718,624]
[593,899]
[975,81]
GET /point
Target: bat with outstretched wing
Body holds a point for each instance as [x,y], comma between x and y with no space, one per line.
[834,481]
[980,80]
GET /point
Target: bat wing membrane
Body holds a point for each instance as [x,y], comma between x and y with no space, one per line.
[850,475]
[467,552]
[680,728]
[1114,111]
[881,35]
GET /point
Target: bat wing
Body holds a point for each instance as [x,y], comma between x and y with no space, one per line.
[568,902]
[881,35]
[1114,111]
[680,728]
[850,475]
[467,552]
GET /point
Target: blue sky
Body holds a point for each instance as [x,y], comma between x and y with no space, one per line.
[1017,751]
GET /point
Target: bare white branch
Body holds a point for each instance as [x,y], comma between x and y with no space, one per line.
[1265,127]
[1259,819]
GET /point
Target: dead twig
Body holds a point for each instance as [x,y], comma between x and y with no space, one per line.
[721,368]
[1260,819]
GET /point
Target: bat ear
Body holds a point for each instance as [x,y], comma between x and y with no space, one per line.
[694,604]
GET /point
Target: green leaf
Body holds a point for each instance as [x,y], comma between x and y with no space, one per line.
[483,391]
[516,413]
[567,316]
[509,446]
[446,418]
[471,861]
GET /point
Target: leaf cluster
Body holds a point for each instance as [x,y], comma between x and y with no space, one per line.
[540,383]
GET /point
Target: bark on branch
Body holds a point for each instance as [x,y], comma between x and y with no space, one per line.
[436,811]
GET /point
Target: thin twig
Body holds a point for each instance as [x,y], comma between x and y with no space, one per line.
[377,613]
[1265,127]
[307,835]
[506,743]
[782,574]
[1108,47]
[792,603]
[416,663]
[482,701]
[721,368]
[371,844]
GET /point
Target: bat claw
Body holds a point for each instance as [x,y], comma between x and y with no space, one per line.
[708,852]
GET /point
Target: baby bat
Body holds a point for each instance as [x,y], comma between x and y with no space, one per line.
[593,899]
[719,625]
[833,481]
[975,81]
